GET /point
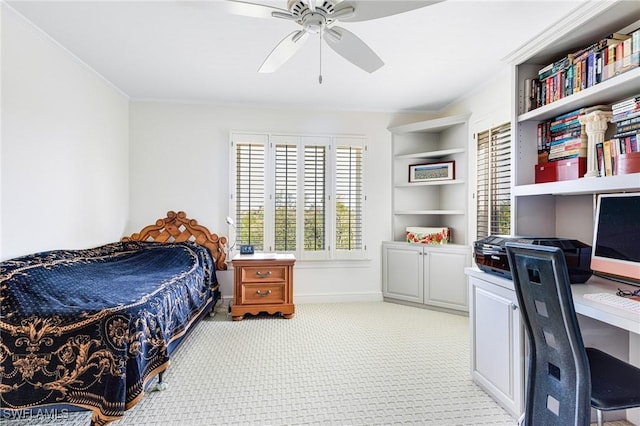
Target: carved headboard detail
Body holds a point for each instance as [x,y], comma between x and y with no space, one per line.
[176,227]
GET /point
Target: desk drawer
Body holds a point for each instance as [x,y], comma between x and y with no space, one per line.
[267,293]
[251,274]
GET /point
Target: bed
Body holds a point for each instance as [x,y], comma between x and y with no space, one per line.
[89,329]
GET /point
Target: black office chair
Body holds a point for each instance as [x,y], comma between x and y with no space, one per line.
[564,377]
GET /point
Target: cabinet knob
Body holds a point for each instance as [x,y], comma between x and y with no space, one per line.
[514,307]
[261,275]
[261,294]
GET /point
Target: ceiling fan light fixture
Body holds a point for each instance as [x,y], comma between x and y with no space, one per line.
[319,17]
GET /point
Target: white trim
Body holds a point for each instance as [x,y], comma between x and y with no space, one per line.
[338,298]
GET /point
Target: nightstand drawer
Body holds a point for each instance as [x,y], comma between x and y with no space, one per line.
[267,293]
[263,273]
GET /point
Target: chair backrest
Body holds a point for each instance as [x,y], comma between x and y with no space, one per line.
[559,381]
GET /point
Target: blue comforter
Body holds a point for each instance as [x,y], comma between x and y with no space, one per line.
[90,327]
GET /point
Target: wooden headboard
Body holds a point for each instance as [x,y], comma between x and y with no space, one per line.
[176,228]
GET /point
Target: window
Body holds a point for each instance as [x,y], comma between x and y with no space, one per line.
[299,194]
[493,193]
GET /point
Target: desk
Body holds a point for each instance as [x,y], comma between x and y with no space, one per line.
[498,342]
[617,317]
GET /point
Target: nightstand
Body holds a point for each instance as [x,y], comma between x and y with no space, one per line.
[263,282]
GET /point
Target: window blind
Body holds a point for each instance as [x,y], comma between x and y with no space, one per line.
[301,194]
[249,196]
[349,197]
[493,192]
[314,197]
[286,193]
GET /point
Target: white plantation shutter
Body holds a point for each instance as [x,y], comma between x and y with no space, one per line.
[349,197]
[299,194]
[493,192]
[315,168]
[286,194]
[250,193]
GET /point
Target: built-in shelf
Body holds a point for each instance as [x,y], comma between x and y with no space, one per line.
[608,91]
[431,154]
[431,126]
[619,183]
[434,183]
[429,212]
[433,203]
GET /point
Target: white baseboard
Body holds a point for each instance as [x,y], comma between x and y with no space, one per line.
[338,298]
[323,298]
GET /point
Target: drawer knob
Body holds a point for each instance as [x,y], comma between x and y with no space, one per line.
[261,275]
[261,294]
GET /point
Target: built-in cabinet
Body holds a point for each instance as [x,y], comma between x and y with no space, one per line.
[497,340]
[423,274]
[431,275]
[563,209]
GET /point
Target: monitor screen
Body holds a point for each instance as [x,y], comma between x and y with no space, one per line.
[616,237]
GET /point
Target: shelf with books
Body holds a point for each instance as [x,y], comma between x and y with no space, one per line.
[606,92]
[541,208]
[594,185]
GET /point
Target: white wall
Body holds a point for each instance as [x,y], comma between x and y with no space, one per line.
[490,106]
[180,161]
[64,147]
[1,13]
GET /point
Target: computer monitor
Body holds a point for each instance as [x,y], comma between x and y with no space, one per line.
[616,237]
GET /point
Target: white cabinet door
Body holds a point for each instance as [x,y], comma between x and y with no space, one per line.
[446,280]
[403,272]
[497,351]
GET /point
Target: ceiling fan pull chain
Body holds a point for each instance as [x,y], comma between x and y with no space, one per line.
[320,71]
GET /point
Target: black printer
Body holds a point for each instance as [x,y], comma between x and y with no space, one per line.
[491,256]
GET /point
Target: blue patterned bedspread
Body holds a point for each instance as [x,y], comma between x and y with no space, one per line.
[90,327]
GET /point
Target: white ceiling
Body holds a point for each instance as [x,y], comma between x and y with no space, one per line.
[197,52]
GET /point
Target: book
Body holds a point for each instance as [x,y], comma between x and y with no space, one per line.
[600,158]
[625,104]
[626,59]
[606,150]
[625,134]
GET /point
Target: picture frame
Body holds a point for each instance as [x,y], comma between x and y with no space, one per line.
[429,172]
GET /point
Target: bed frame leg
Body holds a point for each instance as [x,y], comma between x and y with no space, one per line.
[160,386]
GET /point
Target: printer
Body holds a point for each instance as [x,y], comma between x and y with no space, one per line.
[491,256]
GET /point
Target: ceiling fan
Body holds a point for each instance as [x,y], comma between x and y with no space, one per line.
[319,17]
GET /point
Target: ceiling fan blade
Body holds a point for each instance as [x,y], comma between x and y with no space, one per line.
[254,10]
[353,49]
[284,51]
[366,10]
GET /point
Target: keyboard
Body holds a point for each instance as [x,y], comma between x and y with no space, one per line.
[615,301]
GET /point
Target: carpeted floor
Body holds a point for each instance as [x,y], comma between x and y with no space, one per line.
[342,364]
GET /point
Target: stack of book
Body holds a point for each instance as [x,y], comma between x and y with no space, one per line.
[583,68]
[626,117]
[612,152]
[563,137]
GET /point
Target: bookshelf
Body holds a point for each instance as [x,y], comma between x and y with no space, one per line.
[549,209]
[440,203]
[562,209]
